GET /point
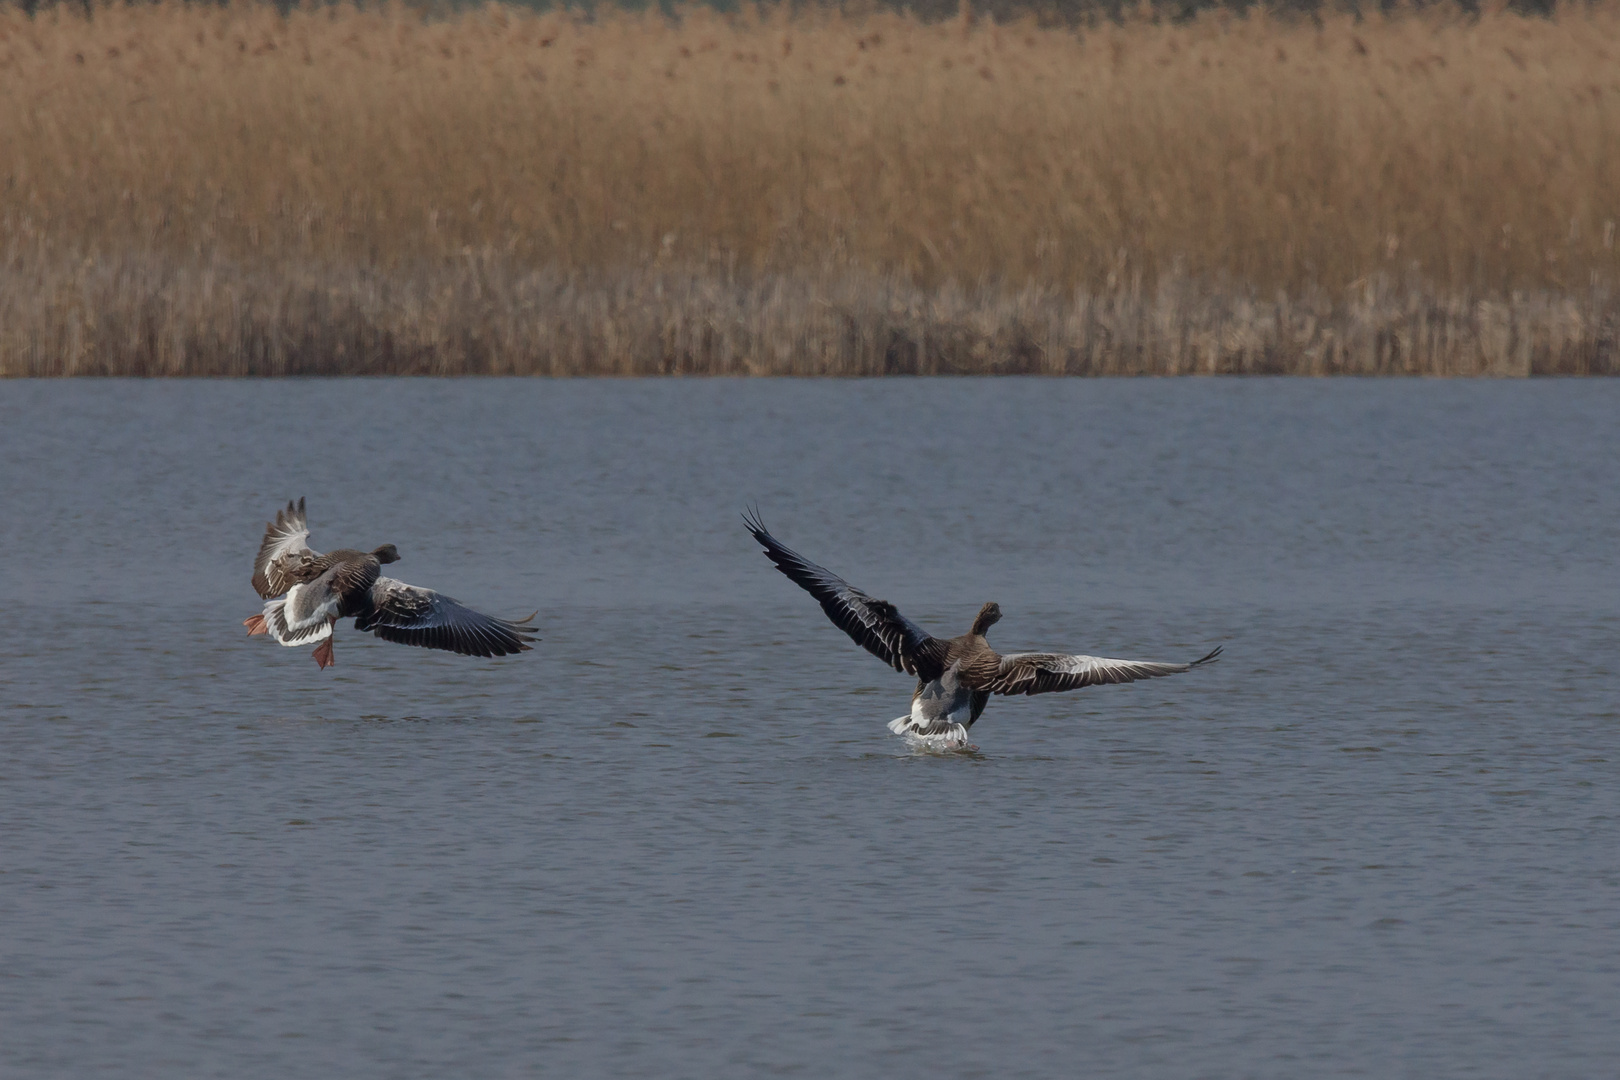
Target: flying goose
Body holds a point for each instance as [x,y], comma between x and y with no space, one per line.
[317,590]
[955,676]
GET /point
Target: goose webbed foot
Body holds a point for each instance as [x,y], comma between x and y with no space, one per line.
[323,654]
[255,625]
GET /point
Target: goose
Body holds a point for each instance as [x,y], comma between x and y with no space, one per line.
[316,590]
[955,676]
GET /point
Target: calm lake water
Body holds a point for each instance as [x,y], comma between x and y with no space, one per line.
[676,840]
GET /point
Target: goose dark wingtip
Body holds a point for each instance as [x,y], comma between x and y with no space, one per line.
[1209,657]
[755,523]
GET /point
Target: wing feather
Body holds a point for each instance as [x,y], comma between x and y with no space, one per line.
[415,616]
[875,625]
[1046,673]
[283,552]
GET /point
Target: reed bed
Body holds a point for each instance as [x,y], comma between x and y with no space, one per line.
[204,190]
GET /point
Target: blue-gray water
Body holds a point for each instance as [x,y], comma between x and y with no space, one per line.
[676,840]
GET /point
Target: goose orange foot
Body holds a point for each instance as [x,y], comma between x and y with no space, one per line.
[323,654]
[255,625]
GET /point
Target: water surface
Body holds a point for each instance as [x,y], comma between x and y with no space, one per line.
[676,839]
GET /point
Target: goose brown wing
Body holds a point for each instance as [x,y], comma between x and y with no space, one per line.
[284,558]
[1046,673]
[414,616]
[875,625]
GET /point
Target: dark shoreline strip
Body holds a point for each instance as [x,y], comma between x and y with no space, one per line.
[147,315]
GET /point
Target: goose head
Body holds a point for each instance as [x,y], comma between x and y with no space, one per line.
[988,616]
[386,554]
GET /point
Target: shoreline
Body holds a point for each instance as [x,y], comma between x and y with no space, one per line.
[152,316]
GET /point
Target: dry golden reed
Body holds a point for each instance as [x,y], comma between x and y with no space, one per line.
[195,189]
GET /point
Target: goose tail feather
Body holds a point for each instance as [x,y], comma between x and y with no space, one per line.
[274,623]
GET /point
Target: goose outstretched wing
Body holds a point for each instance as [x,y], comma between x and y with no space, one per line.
[415,616]
[875,625]
[1046,673]
[284,553]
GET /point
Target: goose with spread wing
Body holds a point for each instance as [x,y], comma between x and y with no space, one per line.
[308,592]
[955,676]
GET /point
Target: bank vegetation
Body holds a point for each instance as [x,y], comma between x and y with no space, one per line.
[192,189]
